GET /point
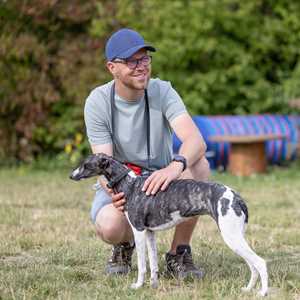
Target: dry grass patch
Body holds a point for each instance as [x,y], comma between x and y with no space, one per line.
[49,250]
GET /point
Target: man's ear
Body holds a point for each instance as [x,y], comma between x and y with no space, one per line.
[111,67]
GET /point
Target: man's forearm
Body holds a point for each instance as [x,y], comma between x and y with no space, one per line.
[192,149]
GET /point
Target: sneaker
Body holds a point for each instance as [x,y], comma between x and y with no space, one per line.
[120,261]
[181,265]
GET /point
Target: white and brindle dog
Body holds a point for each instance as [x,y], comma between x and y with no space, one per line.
[182,199]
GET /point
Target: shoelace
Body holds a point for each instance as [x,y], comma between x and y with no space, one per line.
[120,255]
[116,255]
[188,260]
[183,261]
[177,263]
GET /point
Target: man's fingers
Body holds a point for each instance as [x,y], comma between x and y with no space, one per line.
[119,204]
[157,185]
[147,182]
[118,201]
[158,180]
[165,185]
[162,186]
[152,185]
[116,197]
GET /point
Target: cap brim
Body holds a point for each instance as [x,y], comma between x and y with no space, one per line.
[135,49]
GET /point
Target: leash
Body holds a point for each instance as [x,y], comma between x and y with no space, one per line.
[147,116]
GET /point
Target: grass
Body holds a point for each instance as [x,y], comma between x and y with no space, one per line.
[49,250]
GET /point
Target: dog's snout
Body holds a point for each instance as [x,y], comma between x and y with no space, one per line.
[74,174]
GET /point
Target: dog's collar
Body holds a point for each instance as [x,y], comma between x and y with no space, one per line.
[117,179]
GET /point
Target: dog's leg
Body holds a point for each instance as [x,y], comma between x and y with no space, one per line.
[140,244]
[152,254]
[256,264]
[232,228]
[253,278]
[254,272]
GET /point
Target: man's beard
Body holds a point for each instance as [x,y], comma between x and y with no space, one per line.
[133,83]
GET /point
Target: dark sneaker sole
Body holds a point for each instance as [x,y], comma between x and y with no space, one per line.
[117,270]
[185,276]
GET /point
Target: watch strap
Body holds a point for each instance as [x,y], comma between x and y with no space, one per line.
[181,159]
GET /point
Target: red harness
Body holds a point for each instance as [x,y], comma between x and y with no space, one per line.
[136,169]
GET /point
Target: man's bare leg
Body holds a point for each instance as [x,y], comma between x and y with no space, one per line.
[183,232]
[112,226]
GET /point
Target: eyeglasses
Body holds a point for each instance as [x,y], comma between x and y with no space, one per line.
[133,63]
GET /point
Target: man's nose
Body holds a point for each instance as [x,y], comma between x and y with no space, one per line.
[140,65]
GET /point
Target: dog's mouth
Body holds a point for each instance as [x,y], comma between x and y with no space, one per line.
[76,175]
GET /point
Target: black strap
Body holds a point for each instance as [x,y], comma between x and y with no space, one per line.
[114,181]
[147,116]
[147,113]
[112,105]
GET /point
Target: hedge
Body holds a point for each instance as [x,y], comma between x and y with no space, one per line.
[223,57]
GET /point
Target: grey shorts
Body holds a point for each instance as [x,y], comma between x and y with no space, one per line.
[101,199]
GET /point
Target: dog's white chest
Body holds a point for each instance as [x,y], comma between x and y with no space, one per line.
[176,219]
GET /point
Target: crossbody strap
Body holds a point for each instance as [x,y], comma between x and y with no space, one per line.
[147,113]
[147,116]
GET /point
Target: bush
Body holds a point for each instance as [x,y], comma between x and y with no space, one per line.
[48,63]
[223,57]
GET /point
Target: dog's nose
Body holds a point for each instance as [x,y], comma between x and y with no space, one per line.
[73,174]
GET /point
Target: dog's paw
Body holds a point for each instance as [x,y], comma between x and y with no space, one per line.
[154,284]
[136,285]
[245,289]
[262,293]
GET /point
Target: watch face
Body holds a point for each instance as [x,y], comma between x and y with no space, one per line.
[178,158]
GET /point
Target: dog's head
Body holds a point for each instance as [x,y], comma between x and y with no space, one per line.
[93,165]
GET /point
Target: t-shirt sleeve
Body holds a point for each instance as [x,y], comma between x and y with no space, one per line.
[172,104]
[96,120]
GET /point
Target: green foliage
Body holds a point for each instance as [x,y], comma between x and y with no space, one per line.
[48,64]
[222,56]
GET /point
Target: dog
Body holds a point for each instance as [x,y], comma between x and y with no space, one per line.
[181,200]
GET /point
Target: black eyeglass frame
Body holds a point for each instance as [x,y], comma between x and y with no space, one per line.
[135,61]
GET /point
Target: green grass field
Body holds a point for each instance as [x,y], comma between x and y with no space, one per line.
[48,248]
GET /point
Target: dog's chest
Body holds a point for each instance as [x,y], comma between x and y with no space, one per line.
[174,219]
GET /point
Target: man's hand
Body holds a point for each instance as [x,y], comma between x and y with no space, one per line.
[161,179]
[118,200]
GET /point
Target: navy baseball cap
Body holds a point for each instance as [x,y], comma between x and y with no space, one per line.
[124,43]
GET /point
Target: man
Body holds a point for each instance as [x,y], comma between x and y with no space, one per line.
[132,118]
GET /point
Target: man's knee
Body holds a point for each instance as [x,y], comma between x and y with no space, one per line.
[199,171]
[112,226]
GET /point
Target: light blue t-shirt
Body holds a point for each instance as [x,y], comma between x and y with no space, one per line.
[130,133]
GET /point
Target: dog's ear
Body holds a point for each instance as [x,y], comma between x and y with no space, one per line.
[104,163]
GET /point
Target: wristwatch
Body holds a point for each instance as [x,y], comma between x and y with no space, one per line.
[181,159]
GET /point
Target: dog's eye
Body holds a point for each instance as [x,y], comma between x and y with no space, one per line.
[88,166]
